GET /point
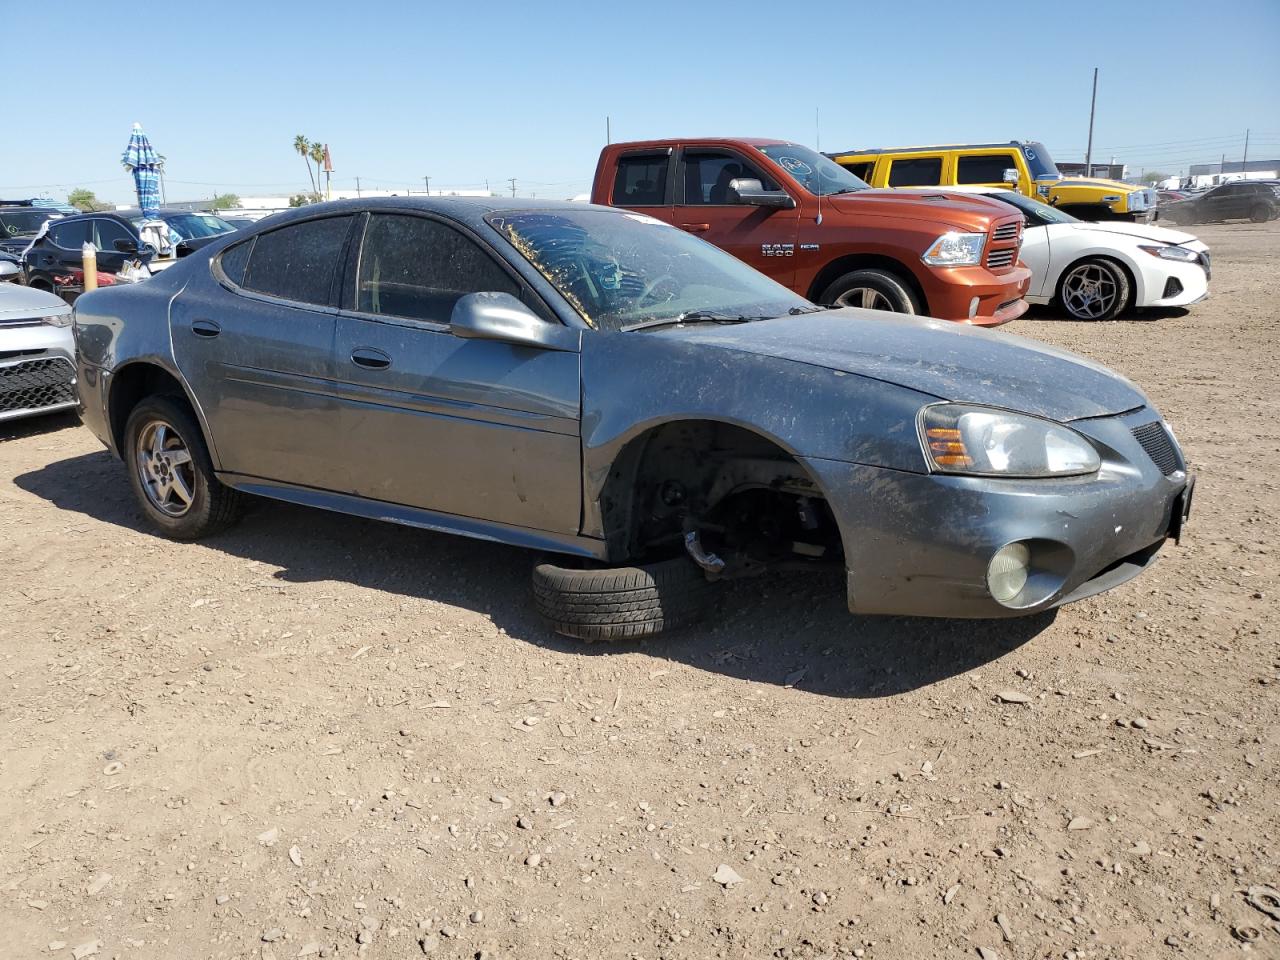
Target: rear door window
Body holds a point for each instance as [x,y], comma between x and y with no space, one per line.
[708,173]
[984,168]
[417,268]
[107,232]
[234,259]
[298,262]
[70,236]
[641,180]
[916,172]
[861,170]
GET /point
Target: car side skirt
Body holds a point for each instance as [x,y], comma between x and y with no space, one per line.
[422,519]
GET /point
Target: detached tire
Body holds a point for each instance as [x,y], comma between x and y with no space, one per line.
[871,289]
[171,473]
[621,603]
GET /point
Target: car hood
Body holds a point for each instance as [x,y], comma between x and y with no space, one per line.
[1141,231]
[967,210]
[944,360]
[25,303]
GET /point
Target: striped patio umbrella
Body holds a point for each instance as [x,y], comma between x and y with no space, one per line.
[144,163]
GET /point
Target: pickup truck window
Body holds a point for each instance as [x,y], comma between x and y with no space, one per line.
[916,172]
[617,269]
[708,173]
[641,180]
[819,175]
[861,170]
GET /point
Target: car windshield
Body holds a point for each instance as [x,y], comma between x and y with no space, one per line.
[622,269]
[1038,214]
[1040,163]
[820,175]
[23,223]
[194,226]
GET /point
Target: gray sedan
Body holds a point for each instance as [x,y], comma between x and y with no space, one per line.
[603,388]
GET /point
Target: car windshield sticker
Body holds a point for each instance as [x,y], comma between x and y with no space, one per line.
[795,165]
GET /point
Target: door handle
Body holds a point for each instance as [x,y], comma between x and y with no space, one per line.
[205,328]
[370,359]
[696,227]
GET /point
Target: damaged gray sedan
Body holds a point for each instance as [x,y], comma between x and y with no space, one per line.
[647,409]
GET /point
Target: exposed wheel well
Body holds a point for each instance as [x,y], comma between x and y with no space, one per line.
[743,491]
[133,383]
[859,261]
[41,284]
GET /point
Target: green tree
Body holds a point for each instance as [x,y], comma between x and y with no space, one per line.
[85,200]
[1151,177]
[302,199]
[225,201]
[302,146]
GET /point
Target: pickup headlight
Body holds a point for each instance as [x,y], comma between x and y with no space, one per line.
[1169,252]
[980,441]
[954,249]
[1138,200]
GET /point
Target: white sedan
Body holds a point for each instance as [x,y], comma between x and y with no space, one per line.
[1097,271]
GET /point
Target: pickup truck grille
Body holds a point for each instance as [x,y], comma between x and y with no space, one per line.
[1002,258]
[1005,231]
[36,384]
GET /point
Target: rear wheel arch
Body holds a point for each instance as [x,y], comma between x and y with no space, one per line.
[134,382]
[861,261]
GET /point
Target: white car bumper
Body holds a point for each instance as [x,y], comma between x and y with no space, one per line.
[1169,283]
[37,370]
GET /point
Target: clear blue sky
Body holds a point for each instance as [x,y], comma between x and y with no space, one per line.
[472,92]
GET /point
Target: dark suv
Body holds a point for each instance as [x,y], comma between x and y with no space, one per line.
[55,262]
[1256,200]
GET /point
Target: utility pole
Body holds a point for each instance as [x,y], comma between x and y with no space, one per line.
[1093,102]
[357,186]
[608,131]
[512,181]
[1246,151]
[427,183]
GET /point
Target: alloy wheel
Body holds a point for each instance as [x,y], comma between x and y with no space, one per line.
[1089,291]
[868,298]
[165,468]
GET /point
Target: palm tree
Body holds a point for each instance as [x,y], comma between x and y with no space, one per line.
[303,147]
[316,152]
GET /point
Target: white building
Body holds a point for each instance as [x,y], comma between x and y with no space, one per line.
[1212,174]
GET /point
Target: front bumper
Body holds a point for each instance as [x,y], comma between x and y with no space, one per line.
[1190,282]
[920,544]
[37,370]
[952,291]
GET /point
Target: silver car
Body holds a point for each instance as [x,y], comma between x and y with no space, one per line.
[591,383]
[37,352]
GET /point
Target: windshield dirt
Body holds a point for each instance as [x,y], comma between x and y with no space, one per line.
[1037,214]
[820,175]
[621,269]
[23,223]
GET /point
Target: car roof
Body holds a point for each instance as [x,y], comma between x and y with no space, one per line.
[664,142]
[935,146]
[468,210]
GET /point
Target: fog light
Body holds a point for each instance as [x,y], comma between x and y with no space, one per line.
[1007,572]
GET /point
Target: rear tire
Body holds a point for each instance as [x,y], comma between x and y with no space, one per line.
[1094,289]
[871,289]
[171,472]
[1260,213]
[621,603]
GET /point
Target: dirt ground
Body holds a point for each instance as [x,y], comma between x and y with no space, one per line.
[320,736]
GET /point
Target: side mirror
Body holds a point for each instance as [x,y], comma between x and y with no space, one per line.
[124,245]
[500,316]
[750,191]
[8,270]
[1011,176]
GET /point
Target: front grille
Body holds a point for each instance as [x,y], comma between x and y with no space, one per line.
[1001,258]
[1155,440]
[36,384]
[1005,231]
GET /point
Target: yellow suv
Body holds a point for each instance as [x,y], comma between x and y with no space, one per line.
[1020,165]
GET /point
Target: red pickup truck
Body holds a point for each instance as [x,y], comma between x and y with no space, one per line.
[813,226]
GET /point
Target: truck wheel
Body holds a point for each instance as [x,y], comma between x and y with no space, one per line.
[1094,289]
[1260,213]
[621,603]
[871,289]
[171,473]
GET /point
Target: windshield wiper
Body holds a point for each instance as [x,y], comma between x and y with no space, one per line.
[689,316]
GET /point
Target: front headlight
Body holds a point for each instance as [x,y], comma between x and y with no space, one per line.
[57,319]
[1169,252]
[956,250]
[979,441]
[1137,200]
